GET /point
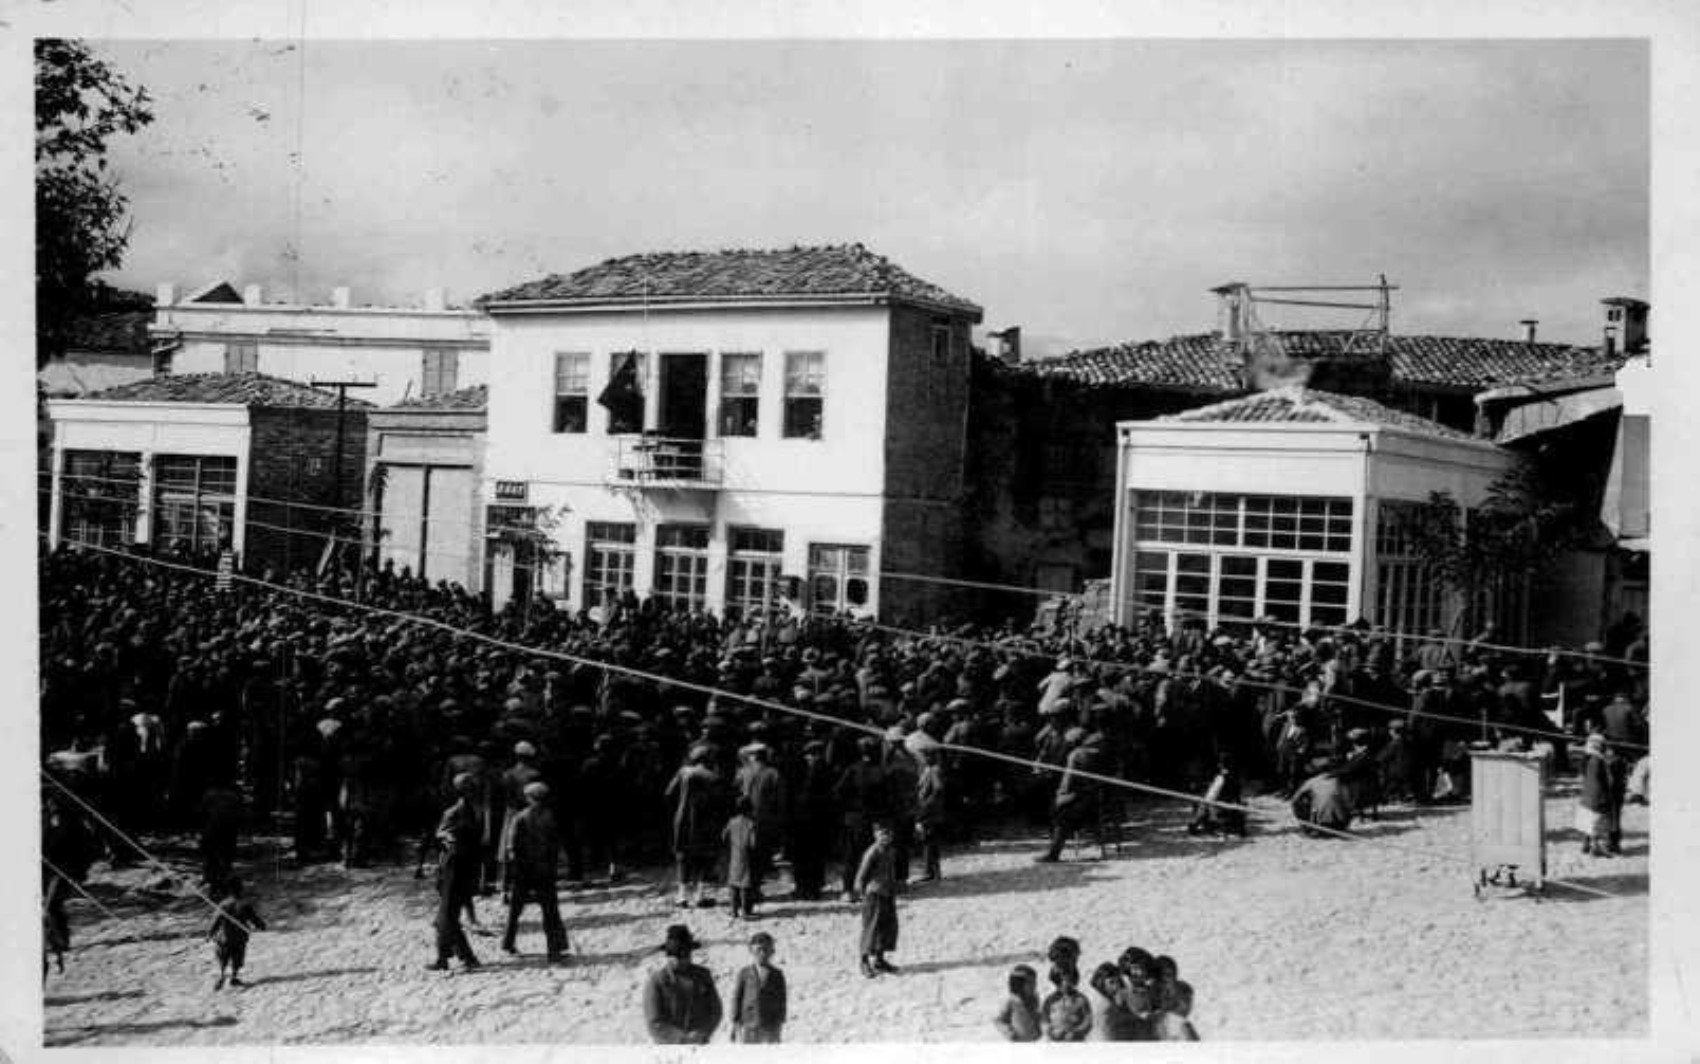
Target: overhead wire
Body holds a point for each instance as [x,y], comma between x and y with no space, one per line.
[720,693]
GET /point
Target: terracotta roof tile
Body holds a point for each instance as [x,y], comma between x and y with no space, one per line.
[476,397]
[247,389]
[1206,362]
[1301,405]
[737,274]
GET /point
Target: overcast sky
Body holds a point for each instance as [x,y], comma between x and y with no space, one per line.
[1090,192]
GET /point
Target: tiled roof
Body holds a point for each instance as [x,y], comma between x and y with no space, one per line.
[247,389]
[1295,404]
[1200,361]
[121,331]
[738,274]
[476,397]
[70,379]
[1206,361]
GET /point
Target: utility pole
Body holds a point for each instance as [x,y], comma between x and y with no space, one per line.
[341,418]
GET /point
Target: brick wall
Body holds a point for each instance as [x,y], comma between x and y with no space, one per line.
[926,433]
[1041,477]
[292,460]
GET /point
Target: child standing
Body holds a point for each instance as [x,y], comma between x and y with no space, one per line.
[758,996]
[1175,1023]
[1018,1020]
[876,882]
[1594,809]
[1067,1013]
[229,932]
[740,836]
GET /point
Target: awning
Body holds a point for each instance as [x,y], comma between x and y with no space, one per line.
[1627,499]
[1548,414]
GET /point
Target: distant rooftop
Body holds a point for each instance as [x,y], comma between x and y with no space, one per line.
[476,397]
[735,275]
[1295,404]
[245,389]
[1206,362]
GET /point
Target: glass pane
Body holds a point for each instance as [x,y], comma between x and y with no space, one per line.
[1286,569]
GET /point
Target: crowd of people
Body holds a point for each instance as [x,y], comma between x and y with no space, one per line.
[502,742]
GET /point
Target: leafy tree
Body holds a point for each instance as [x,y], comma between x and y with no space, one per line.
[1531,514]
[81,103]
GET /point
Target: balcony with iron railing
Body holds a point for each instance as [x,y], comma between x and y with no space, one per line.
[667,462]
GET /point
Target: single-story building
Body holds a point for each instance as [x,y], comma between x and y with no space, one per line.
[1291,504]
[196,463]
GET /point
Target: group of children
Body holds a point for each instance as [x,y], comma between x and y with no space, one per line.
[1144,1000]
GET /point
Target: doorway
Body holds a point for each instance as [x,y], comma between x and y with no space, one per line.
[684,396]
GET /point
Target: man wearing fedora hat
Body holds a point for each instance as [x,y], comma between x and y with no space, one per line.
[680,1003]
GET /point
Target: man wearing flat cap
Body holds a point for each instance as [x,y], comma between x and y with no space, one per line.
[680,1003]
[531,852]
[460,836]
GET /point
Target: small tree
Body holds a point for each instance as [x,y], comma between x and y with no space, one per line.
[81,226]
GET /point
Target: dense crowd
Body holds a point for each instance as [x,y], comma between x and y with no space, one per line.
[175,706]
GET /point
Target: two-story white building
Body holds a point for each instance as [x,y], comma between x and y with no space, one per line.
[701,427]
[403,352]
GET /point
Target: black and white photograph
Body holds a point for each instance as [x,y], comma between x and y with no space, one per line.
[888,534]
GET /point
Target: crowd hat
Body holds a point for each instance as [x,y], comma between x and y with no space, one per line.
[524,749]
[679,942]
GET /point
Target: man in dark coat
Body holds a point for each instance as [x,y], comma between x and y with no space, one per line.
[531,852]
[811,823]
[680,1003]
[762,784]
[460,833]
[1077,797]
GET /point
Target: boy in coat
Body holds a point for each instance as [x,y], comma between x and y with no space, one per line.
[759,995]
[876,882]
[235,920]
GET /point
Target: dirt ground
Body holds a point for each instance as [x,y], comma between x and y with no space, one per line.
[1283,937]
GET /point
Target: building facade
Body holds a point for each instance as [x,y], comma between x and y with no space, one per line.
[726,431]
[403,352]
[1289,504]
[424,487]
[196,464]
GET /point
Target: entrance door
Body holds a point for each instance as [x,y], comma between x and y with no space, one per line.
[684,396]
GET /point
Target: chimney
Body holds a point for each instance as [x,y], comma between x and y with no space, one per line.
[1235,301]
[165,295]
[1528,325]
[1627,318]
[251,295]
[1009,345]
[435,299]
[339,297]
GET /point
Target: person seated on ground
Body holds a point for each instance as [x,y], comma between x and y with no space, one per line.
[1225,788]
[1358,773]
[1321,802]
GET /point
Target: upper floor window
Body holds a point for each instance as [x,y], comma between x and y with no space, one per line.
[242,356]
[805,393]
[439,373]
[623,397]
[740,392]
[572,392]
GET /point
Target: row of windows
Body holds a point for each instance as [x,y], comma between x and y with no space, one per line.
[1275,522]
[439,370]
[837,577]
[194,499]
[740,393]
[1239,588]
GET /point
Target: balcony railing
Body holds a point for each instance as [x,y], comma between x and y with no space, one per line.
[666,462]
